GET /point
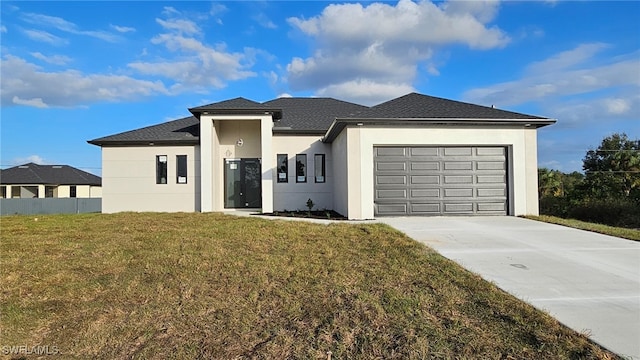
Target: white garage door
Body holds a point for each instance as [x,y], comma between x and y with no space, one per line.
[461,180]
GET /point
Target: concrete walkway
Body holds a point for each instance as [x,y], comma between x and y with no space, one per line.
[589,282]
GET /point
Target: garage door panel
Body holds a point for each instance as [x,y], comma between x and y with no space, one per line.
[391,166]
[458,208]
[425,208]
[458,165]
[425,165]
[490,179]
[449,193]
[456,180]
[424,151]
[425,179]
[458,151]
[392,194]
[425,193]
[391,179]
[490,151]
[390,151]
[491,165]
[392,209]
[491,207]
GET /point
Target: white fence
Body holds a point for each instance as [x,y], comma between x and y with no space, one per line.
[50,206]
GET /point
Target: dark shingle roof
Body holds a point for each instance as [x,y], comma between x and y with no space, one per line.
[308,114]
[182,131]
[416,106]
[47,174]
[316,115]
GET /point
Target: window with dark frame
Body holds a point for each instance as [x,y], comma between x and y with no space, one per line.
[72,191]
[282,164]
[301,168]
[3,192]
[319,168]
[161,169]
[181,169]
[49,191]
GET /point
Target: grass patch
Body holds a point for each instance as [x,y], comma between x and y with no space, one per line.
[631,234]
[213,286]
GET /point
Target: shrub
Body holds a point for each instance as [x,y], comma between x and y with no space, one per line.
[612,211]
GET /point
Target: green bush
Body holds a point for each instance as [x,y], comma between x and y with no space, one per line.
[612,211]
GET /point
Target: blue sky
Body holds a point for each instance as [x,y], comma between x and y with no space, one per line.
[75,71]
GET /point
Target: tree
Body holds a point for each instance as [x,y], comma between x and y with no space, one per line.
[613,169]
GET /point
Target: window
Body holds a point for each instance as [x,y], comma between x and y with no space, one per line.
[319,168]
[161,169]
[16,191]
[3,192]
[181,169]
[282,164]
[301,168]
[72,191]
[49,191]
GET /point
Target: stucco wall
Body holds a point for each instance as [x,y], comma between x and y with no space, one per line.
[339,152]
[129,180]
[523,164]
[292,195]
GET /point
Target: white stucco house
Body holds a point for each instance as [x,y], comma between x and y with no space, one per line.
[413,155]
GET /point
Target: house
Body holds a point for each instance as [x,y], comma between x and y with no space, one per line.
[413,155]
[48,181]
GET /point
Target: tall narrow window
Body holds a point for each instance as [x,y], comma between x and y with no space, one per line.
[283,168]
[161,169]
[3,192]
[319,168]
[49,191]
[301,168]
[72,191]
[181,169]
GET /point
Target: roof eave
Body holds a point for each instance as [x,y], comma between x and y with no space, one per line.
[190,142]
[339,124]
[275,113]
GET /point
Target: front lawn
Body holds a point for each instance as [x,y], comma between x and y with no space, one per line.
[631,234]
[221,287]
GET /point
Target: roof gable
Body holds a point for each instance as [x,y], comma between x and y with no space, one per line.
[237,103]
[48,174]
[418,106]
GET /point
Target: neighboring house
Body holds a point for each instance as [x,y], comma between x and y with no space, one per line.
[413,155]
[48,181]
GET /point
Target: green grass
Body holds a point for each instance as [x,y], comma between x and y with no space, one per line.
[165,286]
[631,234]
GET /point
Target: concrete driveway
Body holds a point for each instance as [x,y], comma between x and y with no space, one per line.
[589,282]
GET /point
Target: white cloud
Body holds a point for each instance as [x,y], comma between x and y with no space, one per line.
[264,21]
[217,8]
[36,159]
[3,29]
[568,73]
[365,92]
[67,26]
[196,66]
[35,102]
[180,25]
[24,83]
[380,45]
[122,29]
[54,59]
[43,36]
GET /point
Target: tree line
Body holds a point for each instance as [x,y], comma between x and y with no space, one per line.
[608,191]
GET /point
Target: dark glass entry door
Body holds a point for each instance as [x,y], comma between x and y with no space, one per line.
[242,183]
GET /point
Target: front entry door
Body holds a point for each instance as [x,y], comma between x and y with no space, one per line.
[242,183]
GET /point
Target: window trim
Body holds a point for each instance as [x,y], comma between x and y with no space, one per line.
[160,169]
[181,179]
[73,191]
[301,178]
[323,168]
[282,168]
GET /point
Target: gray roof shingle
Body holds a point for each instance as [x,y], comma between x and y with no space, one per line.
[309,114]
[313,116]
[33,174]
[418,106]
[182,131]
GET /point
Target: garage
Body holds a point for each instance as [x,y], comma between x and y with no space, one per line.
[442,180]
